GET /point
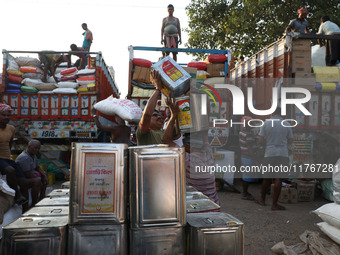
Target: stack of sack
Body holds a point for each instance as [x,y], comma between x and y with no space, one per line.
[67,84]
[86,80]
[330,213]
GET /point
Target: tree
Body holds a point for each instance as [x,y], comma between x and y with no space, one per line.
[247,26]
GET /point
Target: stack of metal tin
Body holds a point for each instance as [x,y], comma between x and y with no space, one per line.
[97,220]
[42,229]
[157,200]
[197,202]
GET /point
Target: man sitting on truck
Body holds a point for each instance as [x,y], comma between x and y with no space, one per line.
[332,46]
[81,62]
[149,130]
[300,24]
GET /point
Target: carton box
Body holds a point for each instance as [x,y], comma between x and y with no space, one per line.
[305,190]
[301,44]
[141,74]
[301,64]
[216,69]
[288,195]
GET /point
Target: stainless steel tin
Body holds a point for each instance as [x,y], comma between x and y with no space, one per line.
[191,117]
[195,196]
[175,79]
[59,193]
[54,201]
[166,240]
[214,233]
[157,186]
[35,235]
[47,211]
[201,205]
[98,239]
[98,183]
[65,185]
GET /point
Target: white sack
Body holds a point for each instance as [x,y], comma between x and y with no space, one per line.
[329,213]
[331,231]
[31,82]
[318,55]
[124,108]
[65,91]
[67,84]
[336,182]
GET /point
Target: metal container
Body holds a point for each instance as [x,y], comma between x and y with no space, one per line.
[166,240]
[201,205]
[191,117]
[195,196]
[98,239]
[157,186]
[54,201]
[214,233]
[35,235]
[98,183]
[59,193]
[47,211]
[175,79]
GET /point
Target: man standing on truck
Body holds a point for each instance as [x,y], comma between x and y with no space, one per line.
[171,32]
[81,62]
[149,130]
[332,46]
[276,139]
[300,24]
[88,37]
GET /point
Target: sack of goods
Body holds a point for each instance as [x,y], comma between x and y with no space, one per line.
[87,72]
[124,108]
[27,61]
[336,182]
[31,82]
[330,214]
[30,69]
[67,84]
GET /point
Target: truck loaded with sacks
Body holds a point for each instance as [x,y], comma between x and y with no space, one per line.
[56,111]
[292,74]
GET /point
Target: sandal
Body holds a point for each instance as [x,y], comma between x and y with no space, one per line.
[248,197]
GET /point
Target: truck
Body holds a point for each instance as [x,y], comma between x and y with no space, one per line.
[58,119]
[288,63]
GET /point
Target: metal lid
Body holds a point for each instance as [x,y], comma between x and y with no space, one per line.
[38,222]
[59,192]
[200,205]
[54,201]
[47,211]
[216,219]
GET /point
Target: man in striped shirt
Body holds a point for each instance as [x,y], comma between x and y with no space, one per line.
[248,147]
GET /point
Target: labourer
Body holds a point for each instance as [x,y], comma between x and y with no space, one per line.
[171,31]
[276,139]
[8,167]
[88,37]
[81,62]
[149,130]
[37,179]
[328,27]
[120,133]
[51,61]
[300,24]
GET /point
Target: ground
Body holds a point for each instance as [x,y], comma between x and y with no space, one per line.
[264,228]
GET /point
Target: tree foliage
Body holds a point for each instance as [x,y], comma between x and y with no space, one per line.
[247,26]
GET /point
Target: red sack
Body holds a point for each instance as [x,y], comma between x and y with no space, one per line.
[30,69]
[199,65]
[142,62]
[216,58]
[69,71]
[14,79]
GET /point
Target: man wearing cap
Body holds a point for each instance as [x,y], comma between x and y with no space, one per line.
[8,167]
[300,24]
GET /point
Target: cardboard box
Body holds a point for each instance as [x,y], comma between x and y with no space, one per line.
[305,79]
[216,69]
[305,190]
[301,44]
[301,64]
[288,195]
[141,74]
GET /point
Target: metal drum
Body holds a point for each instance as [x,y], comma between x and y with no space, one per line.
[47,211]
[157,186]
[59,193]
[54,201]
[201,205]
[214,233]
[166,240]
[35,235]
[98,239]
[98,183]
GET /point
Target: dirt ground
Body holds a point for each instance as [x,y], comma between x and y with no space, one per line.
[264,228]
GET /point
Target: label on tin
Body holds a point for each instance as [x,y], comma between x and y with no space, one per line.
[184,116]
[98,193]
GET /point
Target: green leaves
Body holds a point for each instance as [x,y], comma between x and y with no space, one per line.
[247,26]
